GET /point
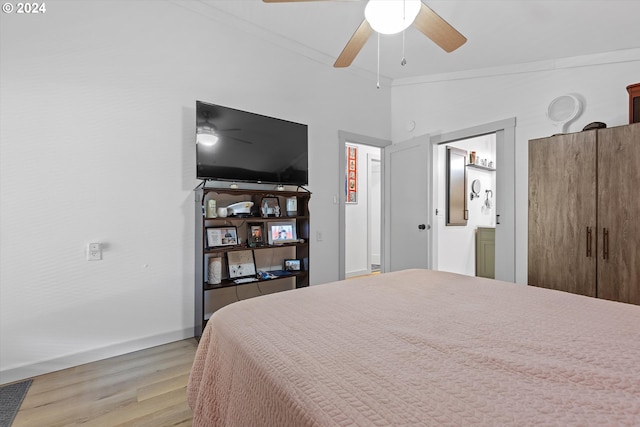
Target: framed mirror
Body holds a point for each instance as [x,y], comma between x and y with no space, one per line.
[476,186]
[457,213]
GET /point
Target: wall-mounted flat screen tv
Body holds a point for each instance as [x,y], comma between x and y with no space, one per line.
[235,145]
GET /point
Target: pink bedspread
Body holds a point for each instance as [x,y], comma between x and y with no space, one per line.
[419,347]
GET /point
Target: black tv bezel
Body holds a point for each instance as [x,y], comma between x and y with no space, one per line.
[256,180]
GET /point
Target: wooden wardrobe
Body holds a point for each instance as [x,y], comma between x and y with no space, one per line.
[584,213]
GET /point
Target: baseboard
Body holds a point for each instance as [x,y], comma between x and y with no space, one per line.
[69,361]
[356,273]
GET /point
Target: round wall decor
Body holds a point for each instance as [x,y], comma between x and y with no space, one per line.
[563,110]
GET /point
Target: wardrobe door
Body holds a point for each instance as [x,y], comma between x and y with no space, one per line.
[562,213]
[619,213]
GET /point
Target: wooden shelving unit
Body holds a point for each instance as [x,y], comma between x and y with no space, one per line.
[268,257]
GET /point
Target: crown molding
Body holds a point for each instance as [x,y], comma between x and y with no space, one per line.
[211,12]
[618,56]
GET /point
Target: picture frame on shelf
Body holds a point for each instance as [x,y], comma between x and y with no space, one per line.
[293,265]
[280,232]
[255,234]
[221,236]
[241,264]
[270,207]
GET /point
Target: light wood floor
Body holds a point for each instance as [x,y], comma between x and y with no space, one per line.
[145,388]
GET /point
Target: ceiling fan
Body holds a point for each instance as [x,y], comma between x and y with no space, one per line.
[409,12]
[207,133]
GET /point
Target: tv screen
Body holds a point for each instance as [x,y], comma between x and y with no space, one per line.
[235,145]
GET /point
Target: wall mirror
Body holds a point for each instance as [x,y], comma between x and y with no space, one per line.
[476,186]
[457,213]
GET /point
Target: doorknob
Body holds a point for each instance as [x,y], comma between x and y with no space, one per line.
[422,227]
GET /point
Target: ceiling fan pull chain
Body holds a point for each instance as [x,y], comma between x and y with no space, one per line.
[404,21]
[404,60]
[378,83]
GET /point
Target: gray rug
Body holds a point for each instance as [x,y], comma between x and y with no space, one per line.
[11,397]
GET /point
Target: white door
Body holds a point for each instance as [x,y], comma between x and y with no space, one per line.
[375,211]
[505,206]
[406,170]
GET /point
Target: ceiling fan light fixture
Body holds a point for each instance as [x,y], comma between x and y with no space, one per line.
[391,16]
[206,136]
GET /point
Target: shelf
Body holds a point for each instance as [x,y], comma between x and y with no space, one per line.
[245,247]
[226,283]
[256,218]
[245,191]
[484,168]
[266,256]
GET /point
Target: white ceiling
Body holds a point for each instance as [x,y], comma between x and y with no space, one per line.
[499,32]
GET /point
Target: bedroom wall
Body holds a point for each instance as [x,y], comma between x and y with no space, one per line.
[97,145]
[446,103]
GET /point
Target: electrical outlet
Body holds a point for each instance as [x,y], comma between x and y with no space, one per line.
[94,252]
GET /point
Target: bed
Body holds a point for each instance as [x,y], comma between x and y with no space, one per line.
[419,347]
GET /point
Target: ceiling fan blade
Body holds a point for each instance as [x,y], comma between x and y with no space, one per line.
[244,141]
[438,30]
[351,50]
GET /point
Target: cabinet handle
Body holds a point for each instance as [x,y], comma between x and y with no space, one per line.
[589,241]
[605,243]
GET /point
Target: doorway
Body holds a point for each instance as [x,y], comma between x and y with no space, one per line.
[457,252]
[361,205]
[363,210]
[504,205]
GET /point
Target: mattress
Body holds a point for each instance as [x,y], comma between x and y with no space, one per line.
[419,347]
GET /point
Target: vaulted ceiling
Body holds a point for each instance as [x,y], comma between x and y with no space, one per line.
[500,32]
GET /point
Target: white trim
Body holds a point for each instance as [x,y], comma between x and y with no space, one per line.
[222,17]
[357,273]
[71,360]
[619,56]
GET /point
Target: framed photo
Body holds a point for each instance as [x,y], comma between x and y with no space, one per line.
[292,265]
[270,207]
[241,264]
[282,232]
[255,234]
[351,184]
[221,236]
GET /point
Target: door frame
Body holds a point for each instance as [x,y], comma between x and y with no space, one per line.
[354,138]
[505,190]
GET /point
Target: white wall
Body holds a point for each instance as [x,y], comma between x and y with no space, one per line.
[97,145]
[446,103]
[456,244]
[357,219]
